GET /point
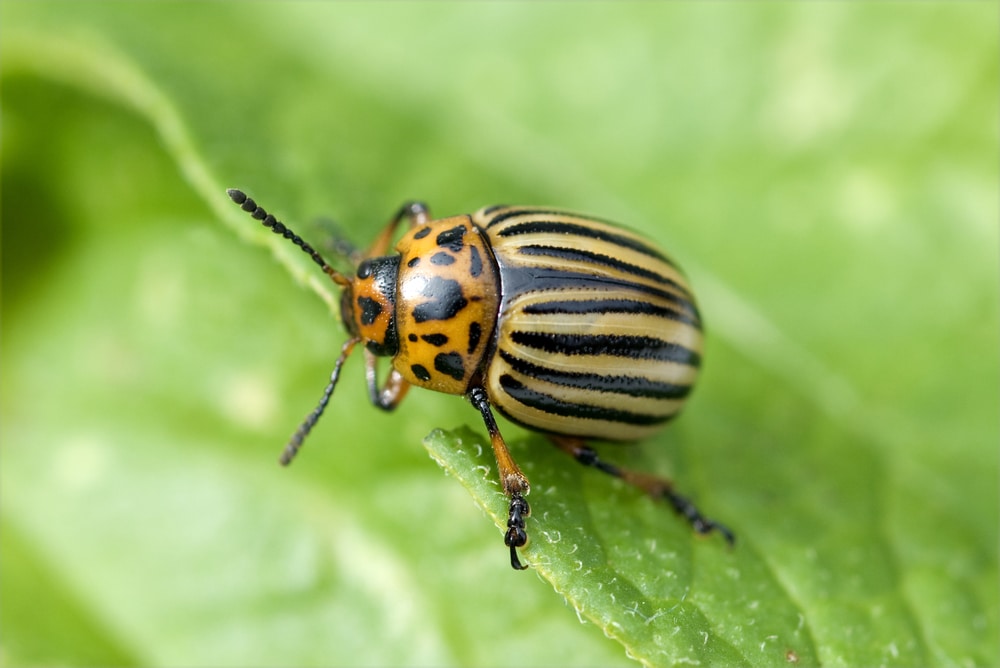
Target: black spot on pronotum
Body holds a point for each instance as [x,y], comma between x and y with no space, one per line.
[442,259]
[370,310]
[452,239]
[412,337]
[475,262]
[445,300]
[450,364]
[413,262]
[437,340]
[420,372]
[475,331]
[422,233]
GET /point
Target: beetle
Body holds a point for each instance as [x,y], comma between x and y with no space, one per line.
[566,324]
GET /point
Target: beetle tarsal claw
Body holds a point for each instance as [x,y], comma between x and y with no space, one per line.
[516,536]
[708,526]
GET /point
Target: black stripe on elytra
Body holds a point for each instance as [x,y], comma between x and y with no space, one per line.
[554,406]
[579,255]
[632,386]
[560,227]
[633,347]
[520,280]
[601,306]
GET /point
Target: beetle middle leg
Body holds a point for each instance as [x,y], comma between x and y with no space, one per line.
[655,486]
[337,243]
[514,482]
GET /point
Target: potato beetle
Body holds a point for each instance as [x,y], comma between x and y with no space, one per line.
[566,324]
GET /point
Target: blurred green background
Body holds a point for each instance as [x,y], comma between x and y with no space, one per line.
[826,172]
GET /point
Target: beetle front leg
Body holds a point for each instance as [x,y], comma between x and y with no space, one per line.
[337,243]
[392,391]
[514,482]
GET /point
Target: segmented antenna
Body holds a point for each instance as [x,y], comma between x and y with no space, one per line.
[269,221]
[276,226]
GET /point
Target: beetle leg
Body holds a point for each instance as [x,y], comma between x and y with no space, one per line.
[515,484]
[337,242]
[655,486]
[392,391]
[416,213]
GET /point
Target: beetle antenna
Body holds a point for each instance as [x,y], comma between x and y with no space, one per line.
[276,226]
[295,442]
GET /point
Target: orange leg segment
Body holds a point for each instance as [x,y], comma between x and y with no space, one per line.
[515,483]
[416,213]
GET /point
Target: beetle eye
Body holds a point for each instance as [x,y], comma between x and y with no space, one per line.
[365,269]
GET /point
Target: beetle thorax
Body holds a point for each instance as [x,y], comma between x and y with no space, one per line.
[447,301]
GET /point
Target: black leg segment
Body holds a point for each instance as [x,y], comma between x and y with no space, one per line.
[516,536]
[656,487]
[515,484]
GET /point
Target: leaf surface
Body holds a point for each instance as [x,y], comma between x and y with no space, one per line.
[826,174]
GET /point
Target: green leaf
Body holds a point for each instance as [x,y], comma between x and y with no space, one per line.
[619,562]
[826,174]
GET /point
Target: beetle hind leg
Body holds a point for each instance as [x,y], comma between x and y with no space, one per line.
[654,486]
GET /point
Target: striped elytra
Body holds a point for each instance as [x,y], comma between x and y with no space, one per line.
[598,334]
[566,324]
